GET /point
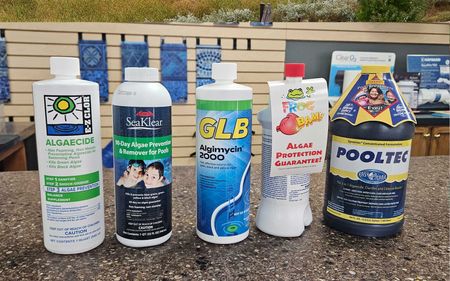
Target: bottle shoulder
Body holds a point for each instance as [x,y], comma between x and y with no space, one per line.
[224,91]
[373,130]
[141,94]
[65,87]
[64,82]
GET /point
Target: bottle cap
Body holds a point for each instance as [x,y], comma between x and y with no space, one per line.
[294,70]
[224,71]
[141,74]
[64,66]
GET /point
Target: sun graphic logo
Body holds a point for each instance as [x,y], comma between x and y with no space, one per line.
[68,115]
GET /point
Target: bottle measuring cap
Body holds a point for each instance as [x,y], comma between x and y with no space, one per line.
[141,74]
[224,71]
[64,66]
[294,70]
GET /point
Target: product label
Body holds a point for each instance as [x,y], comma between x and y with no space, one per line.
[71,188]
[71,222]
[223,166]
[73,210]
[367,180]
[434,70]
[300,126]
[285,188]
[142,141]
[68,115]
[372,97]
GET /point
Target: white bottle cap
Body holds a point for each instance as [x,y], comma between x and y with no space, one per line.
[64,66]
[141,74]
[224,71]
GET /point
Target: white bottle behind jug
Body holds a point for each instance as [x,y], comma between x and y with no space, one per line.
[67,119]
[294,132]
[142,159]
[280,214]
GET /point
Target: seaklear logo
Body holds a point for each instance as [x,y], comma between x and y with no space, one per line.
[144,114]
[372,176]
[143,121]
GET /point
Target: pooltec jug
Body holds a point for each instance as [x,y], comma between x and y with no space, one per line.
[371,131]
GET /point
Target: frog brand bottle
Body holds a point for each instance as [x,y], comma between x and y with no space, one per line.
[67,120]
[289,144]
[284,209]
[142,140]
[371,131]
[224,118]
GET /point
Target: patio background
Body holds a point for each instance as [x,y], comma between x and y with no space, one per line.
[259,53]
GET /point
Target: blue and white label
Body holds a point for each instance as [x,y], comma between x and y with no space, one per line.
[372,176]
[368,180]
[143,171]
[223,167]
[434,70]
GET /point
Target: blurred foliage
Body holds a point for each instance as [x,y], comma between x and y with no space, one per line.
[124,11]
[220,16]
[222,11]
[392,10]
[321,10]
[236,15]
[438,11]
[189,18]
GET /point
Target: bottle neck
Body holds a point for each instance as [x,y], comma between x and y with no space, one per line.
[65,77]
[294,79]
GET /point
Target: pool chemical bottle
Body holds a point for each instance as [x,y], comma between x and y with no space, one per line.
[68,137]
[223,152]
[294,142]
[371,131]
[142,141]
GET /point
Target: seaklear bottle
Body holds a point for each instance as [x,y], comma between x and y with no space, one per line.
[224,119]
[142,140]
[67,120]
[371,131]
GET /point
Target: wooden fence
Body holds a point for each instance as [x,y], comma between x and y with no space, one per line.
[259,53]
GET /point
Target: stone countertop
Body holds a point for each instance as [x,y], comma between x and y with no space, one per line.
[420,251]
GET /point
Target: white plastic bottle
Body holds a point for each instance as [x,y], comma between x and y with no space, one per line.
[67,119]
[142,140]
[280,213]
[294,141]
[224,119]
